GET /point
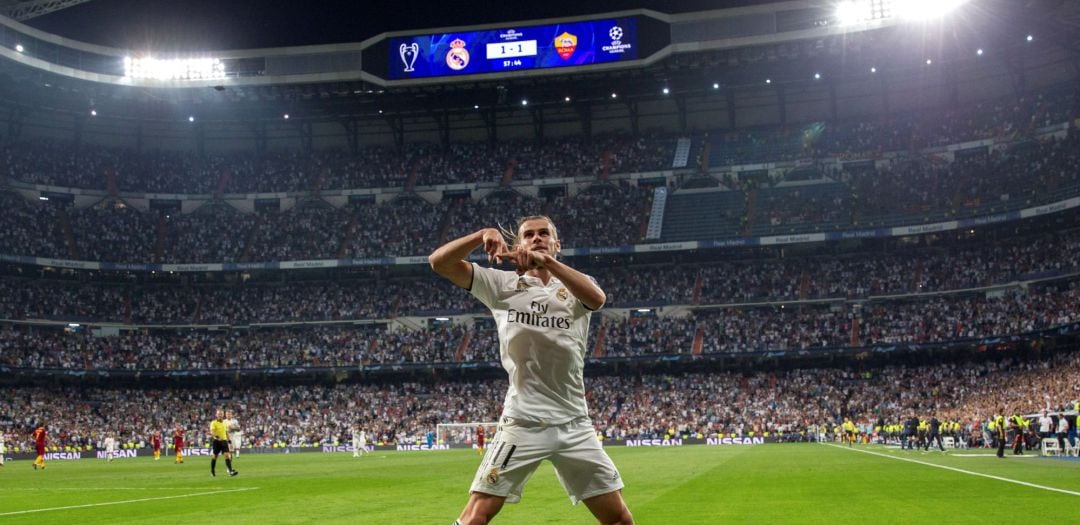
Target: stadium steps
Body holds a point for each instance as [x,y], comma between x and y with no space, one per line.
[699,282]
[414,173]
[69,235]
[917,278]
[222,183]
[682,153]
[159,241]
[316,188]
[466,340]
[196,314]
[347,234]
[751,203]
[249,242]
[508,173]
[601,335]
[448,219]
[127,307]
[654,227]
[699,340]
[111,185]
[706,151]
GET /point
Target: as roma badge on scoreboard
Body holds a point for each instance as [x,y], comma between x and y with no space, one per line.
[565,45]
[458,57]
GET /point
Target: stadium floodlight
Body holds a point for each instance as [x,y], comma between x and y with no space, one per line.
[873,69]
[524,102]
[1030,38]
[644,310]
[476,106]
[768,81]
[666,91]
[191,118]
[173,69]
[979,51]
[852,12]
[567,99]
[43,198]
[19,48]
[614,95]
[817,76]
[925,9]
[929,62]
[285,116]
[93,112]
[716,85]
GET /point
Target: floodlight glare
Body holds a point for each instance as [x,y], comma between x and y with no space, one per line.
[852,12]
[979,51]
[285,116]
[19,48]
[524,102]
[173,69]
[1030,38]
[614,95]
[926,9]
[567,99]
[873,70]
[191,119]
[817,76]
[93,112]
[715,85]
[666,91]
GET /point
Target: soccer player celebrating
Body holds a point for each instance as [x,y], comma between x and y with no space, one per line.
[155,444]
[178,444]
[359,441]
[235,435]
[39,435]
[219,443]
[542,310]
[110,447]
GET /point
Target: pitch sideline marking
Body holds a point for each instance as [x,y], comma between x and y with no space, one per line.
[88,505]
[960,470]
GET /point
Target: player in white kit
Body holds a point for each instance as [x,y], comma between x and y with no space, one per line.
[110,447]
[236,436]
[542,311]
[359,442]
[3,448]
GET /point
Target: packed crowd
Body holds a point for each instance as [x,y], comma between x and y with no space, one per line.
[419,164]
[935,319]
[852,276]
[643,406]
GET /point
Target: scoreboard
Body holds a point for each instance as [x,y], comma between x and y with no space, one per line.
[520,48]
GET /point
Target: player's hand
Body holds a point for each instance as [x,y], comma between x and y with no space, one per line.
[525,259]
[494,245]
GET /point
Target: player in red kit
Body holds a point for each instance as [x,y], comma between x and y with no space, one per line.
[39,446]
[480,439]
[178,444]
[155,443]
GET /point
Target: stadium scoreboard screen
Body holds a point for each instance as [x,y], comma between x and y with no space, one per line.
[516,48]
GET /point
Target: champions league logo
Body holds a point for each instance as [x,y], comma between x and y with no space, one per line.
[408,54]
[617,45]
[458,57]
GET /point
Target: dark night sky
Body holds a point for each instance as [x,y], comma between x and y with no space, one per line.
[240,24]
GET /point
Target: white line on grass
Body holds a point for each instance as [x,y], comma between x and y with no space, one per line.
[954,469]
[140,500]
[81,489]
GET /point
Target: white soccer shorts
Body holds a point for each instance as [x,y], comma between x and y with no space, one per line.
[518,448]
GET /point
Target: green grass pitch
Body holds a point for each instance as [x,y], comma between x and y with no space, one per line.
[804,483]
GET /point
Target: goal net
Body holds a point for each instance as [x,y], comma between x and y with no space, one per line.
[463,434]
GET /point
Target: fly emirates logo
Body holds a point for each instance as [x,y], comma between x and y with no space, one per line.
[537,316]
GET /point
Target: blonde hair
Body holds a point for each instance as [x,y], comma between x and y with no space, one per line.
[512,236]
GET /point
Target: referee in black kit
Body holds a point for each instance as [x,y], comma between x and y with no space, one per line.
[219,438]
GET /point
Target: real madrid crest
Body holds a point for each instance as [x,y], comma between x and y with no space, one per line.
[493,476]
[458,57]
[562,294]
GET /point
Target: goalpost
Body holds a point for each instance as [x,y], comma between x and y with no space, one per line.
[463,433]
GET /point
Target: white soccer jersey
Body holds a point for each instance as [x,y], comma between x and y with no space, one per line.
[543,334]
[110,444]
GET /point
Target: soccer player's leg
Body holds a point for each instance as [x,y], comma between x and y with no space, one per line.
[510,460]
[588,474]
[228,463]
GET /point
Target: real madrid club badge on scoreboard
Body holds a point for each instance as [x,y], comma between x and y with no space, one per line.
[533,47]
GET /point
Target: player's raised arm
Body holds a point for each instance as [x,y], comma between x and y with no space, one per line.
[449,259]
